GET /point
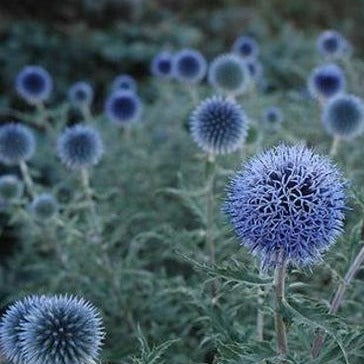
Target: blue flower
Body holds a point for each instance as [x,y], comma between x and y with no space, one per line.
[189,66]
[219,125]
[332,44]
[80,146]
[123,107]
[63,329]
[273,116]
[34,84]
[44,207]
[228,74]
[17,143]
[161,65]
[81,94]
[343,116]
[124,83]
[326,81]
[287,205]
[11,188]
[246,47]
[255,69]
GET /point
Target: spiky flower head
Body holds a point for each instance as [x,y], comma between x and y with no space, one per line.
[64,330]
[246,47]
[124,83]
[81,94]
[44,207]
[34,84]
[11,327]
[189,66]
[80,146]
[343,116]
[11,188]
[228,74]
[273,116]
[17,143]
[123,107]
[161,65]
[326,81]
[332,44]
[219,125]
[287,205]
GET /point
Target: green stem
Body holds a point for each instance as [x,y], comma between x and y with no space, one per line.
[260,312]
[192,90]
[29,184]
[334,146]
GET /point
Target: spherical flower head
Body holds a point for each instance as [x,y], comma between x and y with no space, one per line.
[34,84]
[332,44]
[228,74]
[326,81]
[123,107]
[343,116]
[44,207]
[81,94]
[273,117]
[80,146]
[161,65]
[219,125]
[246,47]
[11,327]
[17,143]
[65,330]
[255,69]
[287,205]
[189,66]
[11,188]
[124,83]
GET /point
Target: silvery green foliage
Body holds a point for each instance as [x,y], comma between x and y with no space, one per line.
[44,207]
[34,84]
[11,188]
[80,146]
[246,47]
[124,83]
[287,204]
[81,94]
[17,143]
[343,117]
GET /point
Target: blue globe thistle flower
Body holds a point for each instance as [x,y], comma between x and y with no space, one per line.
[124,83]
[63,329]
[11,188]
[17,143]
[189,66]
[273,116]
[219,125]
[326,81]
[343,116]
[81,94]
[255,69]
[11,327]
[80,146]
[123,107]
[44,207]
[246,47]
[287,205]
[34,84]
[161,65]
[331,43]
[228,73]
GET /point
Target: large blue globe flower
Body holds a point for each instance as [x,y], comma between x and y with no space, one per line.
[287,205]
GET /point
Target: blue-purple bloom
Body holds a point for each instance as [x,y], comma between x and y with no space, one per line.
[287,204]
[34,84]
[81,94]
[124,83]
[161,65]
[189,66]
[255,69]
[332,44]
[273,116]
[44,207]
[246,47]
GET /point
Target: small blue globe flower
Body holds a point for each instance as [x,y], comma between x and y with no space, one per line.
[228,74]
[189,66]
[326,81]
[124,83]
[11,327]
[44,207]
[343,117]
[11,188]
[63,329]
[34,84]
[161,65]
[332,44]
[287,205]
[123,107]
[246,47]
[80,146]
[81,94]
[255,69]
[17,143]
[273,116]
[219,125]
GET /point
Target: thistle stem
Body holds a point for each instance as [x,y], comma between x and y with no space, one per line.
[192,90]
[28,181]
[279,286]
[334,146]
[337,300]
[260,313]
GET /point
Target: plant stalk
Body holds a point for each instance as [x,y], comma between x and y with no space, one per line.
[335,146]
[28,181]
